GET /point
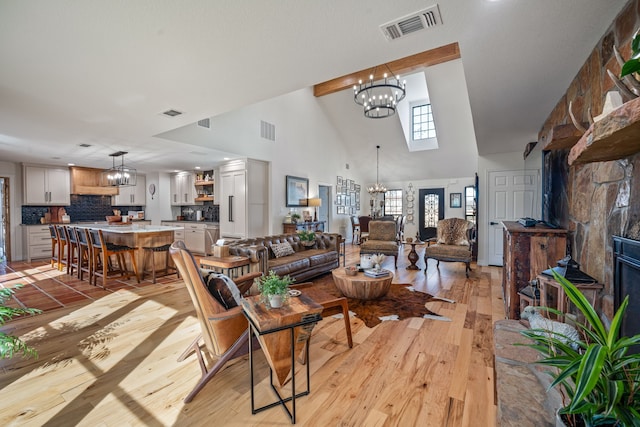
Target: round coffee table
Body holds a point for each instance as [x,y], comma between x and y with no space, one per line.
[361,286]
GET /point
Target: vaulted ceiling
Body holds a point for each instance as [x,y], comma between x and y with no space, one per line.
[101,72]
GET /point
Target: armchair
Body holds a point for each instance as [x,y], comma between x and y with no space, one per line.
[224,331]
[453,243]
[382,240]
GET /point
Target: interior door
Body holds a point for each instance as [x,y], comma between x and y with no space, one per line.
[512,195]
[431,210]
[324,193]
[5,241]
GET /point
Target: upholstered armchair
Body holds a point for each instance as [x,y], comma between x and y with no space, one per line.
[382,240]
[453,243]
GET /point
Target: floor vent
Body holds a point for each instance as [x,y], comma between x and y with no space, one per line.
[412,23]
[267,130]
[205,123]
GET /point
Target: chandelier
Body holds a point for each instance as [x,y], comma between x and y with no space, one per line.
[120,175]
[380,98]
[377,188]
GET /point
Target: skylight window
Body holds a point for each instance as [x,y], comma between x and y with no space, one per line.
[422,124]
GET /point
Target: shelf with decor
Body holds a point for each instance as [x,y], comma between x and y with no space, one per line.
[204,187]
[615,136]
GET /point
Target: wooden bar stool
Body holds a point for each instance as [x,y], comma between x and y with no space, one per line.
[72,250]
[102,266]
[149,254]
[55,247]
[84,252]
[63,253]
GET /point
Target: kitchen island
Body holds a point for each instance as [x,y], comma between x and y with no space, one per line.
[137,236]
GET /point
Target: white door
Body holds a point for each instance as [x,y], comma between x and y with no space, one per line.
[59,186]
[512,195]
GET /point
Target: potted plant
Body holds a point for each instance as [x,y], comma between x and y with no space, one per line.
[274,288]
[600,380]
[295,216]
[307,237]
[633,64]
[9,344]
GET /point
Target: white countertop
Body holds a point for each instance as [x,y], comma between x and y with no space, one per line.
[128,229]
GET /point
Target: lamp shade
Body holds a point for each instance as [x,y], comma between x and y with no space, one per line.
[315,202]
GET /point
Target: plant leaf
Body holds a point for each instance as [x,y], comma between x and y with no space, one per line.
[629,67]
[589,372]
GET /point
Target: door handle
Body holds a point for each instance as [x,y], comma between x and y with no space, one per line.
[230,208]
[494,223]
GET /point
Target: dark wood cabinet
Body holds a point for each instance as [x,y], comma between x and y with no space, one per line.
[527,252]
[310,226]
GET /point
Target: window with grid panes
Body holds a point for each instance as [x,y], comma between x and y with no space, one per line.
[423,126]
[393,202]
[470,203]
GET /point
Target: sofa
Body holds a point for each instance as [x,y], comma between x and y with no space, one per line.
[300,262]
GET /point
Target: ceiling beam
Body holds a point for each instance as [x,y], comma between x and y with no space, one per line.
[399,67]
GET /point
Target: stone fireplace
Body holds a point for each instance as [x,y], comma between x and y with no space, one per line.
[626,281]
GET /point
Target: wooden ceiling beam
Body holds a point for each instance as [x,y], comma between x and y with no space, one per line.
[399,66]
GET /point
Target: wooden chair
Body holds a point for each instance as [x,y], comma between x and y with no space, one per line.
[453,243]
[84,253]
[224,331]
[364,228]
[382,240]
[72,249]
[55,247]
[101,253]
[355,230]
[63,248]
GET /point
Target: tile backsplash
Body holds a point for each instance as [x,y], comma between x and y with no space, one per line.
[82,208]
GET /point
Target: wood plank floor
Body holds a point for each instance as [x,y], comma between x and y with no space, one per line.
[109,359]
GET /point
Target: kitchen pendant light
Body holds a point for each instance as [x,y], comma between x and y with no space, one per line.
[119,175]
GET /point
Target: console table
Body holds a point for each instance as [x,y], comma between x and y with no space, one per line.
[289,228]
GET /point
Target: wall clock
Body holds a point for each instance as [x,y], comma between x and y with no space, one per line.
[152,190]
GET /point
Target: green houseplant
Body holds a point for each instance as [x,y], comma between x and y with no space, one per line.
[633,64]
[307,237]
[295,217]
[600,380]
[9,344]
[274,288]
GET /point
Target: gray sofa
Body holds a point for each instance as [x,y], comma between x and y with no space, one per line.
[304,264]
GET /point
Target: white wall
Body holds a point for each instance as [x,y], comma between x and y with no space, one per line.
[13,171]
[159,208]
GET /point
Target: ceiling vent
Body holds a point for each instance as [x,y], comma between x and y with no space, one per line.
[267,130]
[412,23]
[171,113]
[84,145]
[205,123]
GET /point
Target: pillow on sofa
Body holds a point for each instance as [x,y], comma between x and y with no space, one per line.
[282,249]
[223,289]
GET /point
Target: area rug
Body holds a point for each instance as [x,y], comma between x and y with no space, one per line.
[401,302]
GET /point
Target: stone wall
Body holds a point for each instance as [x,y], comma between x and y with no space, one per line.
[602,198]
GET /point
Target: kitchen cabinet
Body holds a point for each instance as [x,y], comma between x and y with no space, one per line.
[46,185]
[132,196]
[205,188]
[183,191]
[244,196]
[197,236]
[527,252]
[36,241]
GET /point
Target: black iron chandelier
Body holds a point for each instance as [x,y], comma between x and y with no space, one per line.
[119,175]
[377,188]
[379,98]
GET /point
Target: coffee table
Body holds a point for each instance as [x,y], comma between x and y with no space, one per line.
[361,286]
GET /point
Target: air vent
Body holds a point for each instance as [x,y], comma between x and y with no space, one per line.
[84,145]
[412,23]
[172,113]
[267,130]
[204,123]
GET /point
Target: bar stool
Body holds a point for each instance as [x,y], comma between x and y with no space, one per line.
[101,259]
[84,252]
[55,247]
[63,253]
[149,253]
[72,251]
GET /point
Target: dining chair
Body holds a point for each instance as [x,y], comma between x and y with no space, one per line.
[55,247]
[84,253]
[364,227]
[63,246]
[72,250]
[355,230]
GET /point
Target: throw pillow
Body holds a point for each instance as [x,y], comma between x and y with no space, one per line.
[223,289]
[282,249]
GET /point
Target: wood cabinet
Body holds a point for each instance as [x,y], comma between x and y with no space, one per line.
[46,185]
[289,228]
[527,252]
[88,181]
[132,196]
[183,190]
[205,187]
[244,199]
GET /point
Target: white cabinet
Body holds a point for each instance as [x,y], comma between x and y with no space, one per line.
[45,185]
[183,190]
[195,235]
[244,199]
[37,241]
[132,196]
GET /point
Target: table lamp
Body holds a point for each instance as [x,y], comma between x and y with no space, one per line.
[315,202]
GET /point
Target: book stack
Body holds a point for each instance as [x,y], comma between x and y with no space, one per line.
[376,273]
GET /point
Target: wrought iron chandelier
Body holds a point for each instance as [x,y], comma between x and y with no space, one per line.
[377,188]
[379,98]
[120,175]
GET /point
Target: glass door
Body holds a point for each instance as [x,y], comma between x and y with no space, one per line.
[431,210]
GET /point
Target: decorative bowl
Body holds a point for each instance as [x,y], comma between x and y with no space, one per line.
[351,271]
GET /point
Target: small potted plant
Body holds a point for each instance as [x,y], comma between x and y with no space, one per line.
[274,289]
[601,379]
[9,344]
[307,238]
[295,216]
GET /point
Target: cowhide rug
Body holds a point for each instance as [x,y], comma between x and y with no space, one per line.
[402,302]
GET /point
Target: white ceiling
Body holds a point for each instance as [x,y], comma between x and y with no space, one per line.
[101,72]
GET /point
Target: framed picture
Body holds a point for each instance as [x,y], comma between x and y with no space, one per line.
[340,210]
[339,181]
[357,187]
[455,200]
[297,191]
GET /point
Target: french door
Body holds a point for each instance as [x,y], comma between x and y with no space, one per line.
[431,210]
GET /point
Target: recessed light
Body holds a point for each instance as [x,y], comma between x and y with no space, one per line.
[71,164]
[226,158]
[197,167]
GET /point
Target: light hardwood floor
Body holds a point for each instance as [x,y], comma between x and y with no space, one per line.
[111,361]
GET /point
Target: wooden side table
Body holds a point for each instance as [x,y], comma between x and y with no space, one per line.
[282,333]
[234,265]
[413,255]
[549,287]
